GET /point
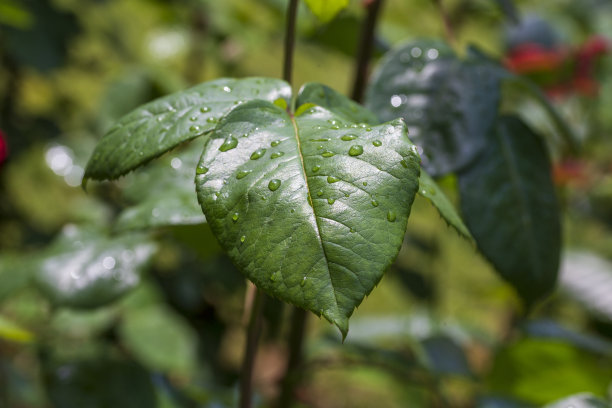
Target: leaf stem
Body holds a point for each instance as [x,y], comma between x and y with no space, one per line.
[296,340]
[364,50]
[253,334]
[448,27]
[290,40]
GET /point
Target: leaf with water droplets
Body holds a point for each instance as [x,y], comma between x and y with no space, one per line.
[328,98]
[162,193]
[164,123]
[313,202]
[448,104]
[326,10]
[429,189]
[509,204]
[86,269]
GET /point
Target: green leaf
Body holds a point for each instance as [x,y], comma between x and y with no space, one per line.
[99,383]
[326,10]
[163,193]
[448,104]
[13,332]
[339,104]
[429,189]
[160,339]
[15,273]
[509,204]
[85,269]
[311,209]
[582,400]
[161,125]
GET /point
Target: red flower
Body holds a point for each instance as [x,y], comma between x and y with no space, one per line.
[3,147]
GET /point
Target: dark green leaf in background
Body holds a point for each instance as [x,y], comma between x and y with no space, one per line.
[86,269]
[161,125]
[509,204]
[325,10]
[312,209]
[448,104]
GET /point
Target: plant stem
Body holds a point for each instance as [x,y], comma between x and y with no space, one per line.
[253,333]
[364,52]
[448,27]
[290,40]
[296,340]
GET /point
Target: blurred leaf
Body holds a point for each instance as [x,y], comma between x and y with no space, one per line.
[337,103]
[326,10]
[13,14]
[161,125]
[553,330]
[587,277]
[299,202]
[509,204]
[448,104]
[15,273]
[445,356]
[12,332]
[160,339]
[85,269]
[539,371]
[432,192]
[163,193]
[583,400]
[509,9]
[340,34]
[99,384]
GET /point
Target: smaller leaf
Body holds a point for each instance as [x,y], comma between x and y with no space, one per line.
[13,332]
[326,10]
[86,269]
[429,189]
[328,98]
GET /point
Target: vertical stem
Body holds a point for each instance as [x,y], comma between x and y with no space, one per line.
[448,27]
[290,40]
[253,333]
[296,340]
[364,52]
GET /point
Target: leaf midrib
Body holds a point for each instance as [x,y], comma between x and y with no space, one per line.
[319,234]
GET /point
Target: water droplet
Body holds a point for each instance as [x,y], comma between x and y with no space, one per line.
[160,118]
[347,194]
[212,119]
[320,193]
[275,143]
[396,101]
[325,139]
[319,147]
[108,262]
[404,164]
[355,150]
[274,184]
[416,52]
[276,155]
[303,282]
[368,129]
[235,216]
[332,179]
[193,118]
[391,216]
[327,153]
[194,128]
[242,238]
[375,203]
[335,127]
[330,201]
[432,53]
[227,89]
[275,276]
[257,154]
[245,135]
[229,143]
[243,173]
[348,137]
[377,143]
[316,168]
[332,121]
[204,109]
[201,170]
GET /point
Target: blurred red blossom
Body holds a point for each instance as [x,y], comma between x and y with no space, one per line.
[3,147]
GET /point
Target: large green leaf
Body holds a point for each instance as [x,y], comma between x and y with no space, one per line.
[84,268]
[328,98]
[325,10]
[429,189]
[311,209]
[448,104]
[509,204]
[163,193]
[158,126]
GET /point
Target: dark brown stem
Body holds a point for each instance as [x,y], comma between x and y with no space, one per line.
[448,27]
[290,40]
[364,52]
[294,361]
[253,334]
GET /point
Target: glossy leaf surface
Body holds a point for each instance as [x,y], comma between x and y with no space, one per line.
[509,204]
[163,193]
[86,269]
[164,123]
[311,209]
[429,189]
[325,10]
[448,104]
[328,98]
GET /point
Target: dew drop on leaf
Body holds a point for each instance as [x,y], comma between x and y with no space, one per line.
[257,154]
[332,179]
[348,137]
[330,201]
[229,144]
[327,153]
[243,173]
[211,120]
[375,203]
[242,238]
[204,109]
[377,143]
[356,150]
[201,170]
[316,168]
[235,216]
[194,128]
[276,155]
[391,216]
[275,276]
[404,164]
[274,184]
[320,193]
[275,143]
